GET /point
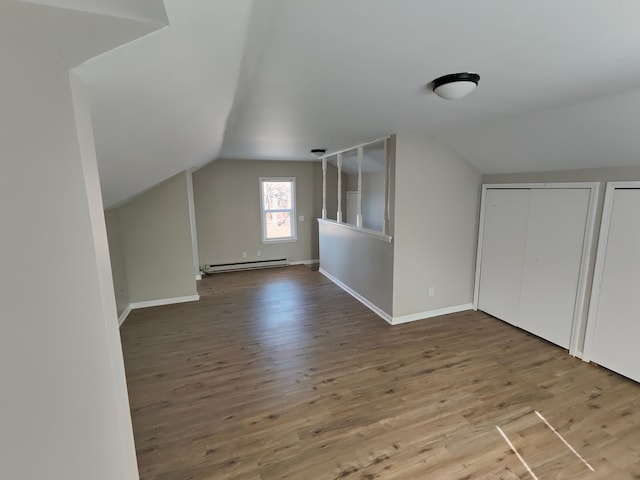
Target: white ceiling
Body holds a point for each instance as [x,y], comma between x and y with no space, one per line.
[271,79]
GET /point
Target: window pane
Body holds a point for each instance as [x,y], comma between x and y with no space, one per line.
[277,195]
[277,225]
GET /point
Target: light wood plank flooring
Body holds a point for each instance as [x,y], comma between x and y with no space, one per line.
[278,374]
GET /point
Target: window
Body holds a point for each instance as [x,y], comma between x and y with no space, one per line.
[278,212]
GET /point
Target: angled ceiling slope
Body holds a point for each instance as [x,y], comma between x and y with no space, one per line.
[271,79]
[333,74]
[160,105]
[65,36]
[147,11]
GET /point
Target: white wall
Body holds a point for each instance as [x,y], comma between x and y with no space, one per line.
[64,409]
[373,200]
[118,267]
[332,192]
[436,221]
[155,234]
[227,202]
[360,261]
[611,174]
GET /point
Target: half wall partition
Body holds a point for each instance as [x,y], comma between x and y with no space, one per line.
[356,228]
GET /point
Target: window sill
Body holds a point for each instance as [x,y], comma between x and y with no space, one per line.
[372,233]
[280,240]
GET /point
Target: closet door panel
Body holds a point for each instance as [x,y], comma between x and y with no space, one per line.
[555,238]
[617,330]
[503,250]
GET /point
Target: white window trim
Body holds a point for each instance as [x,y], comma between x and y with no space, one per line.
[294,218]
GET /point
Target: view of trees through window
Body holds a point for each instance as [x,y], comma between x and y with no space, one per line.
[278,209]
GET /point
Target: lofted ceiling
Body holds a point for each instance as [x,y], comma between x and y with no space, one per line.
[271,79]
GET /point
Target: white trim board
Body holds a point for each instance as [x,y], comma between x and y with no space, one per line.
[305,262]
[155,303]
[164,301]
[431,313]
[124,315]
[391,320]
[365,231]
[192,225]
[374,308]
[580,310]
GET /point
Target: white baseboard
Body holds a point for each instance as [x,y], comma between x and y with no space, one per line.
[400,319]
[431,313]
[165,301]
[155,303]
[374,308]
[198,277]
[305,262]
[124,315]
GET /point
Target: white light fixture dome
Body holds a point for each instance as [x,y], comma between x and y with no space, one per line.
[455,85]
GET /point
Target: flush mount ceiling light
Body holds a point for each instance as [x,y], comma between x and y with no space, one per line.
[455,85]
[319,152]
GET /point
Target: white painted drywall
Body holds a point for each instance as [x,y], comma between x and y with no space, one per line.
[64,409]
[437,197]
[613,174]
[227,203]
[148,11]
[192,224]
[162,104]
[362,262]
[118,268]
[373,200]
[155,234]
[332,191]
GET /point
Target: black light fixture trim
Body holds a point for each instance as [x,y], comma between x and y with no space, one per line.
[455,77]
[318,152]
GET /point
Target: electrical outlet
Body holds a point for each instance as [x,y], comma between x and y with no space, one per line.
[244,254]
[432,291]
[259,253]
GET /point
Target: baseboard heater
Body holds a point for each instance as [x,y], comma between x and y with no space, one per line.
[232,267]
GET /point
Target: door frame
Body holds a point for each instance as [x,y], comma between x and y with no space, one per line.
[580,310]
[603,238]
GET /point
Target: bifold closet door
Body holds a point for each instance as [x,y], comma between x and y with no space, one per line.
[503,252]
[555,238]
[616,335]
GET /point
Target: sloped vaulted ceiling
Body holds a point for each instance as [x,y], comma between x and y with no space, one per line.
[559,80]
[271,79]
[148,11]
[160,104]
[69,34]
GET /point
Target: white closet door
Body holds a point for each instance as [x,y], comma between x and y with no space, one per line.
[555,238]
[617,321]
[503,250]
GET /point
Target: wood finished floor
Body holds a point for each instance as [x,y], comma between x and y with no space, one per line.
[278,374]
